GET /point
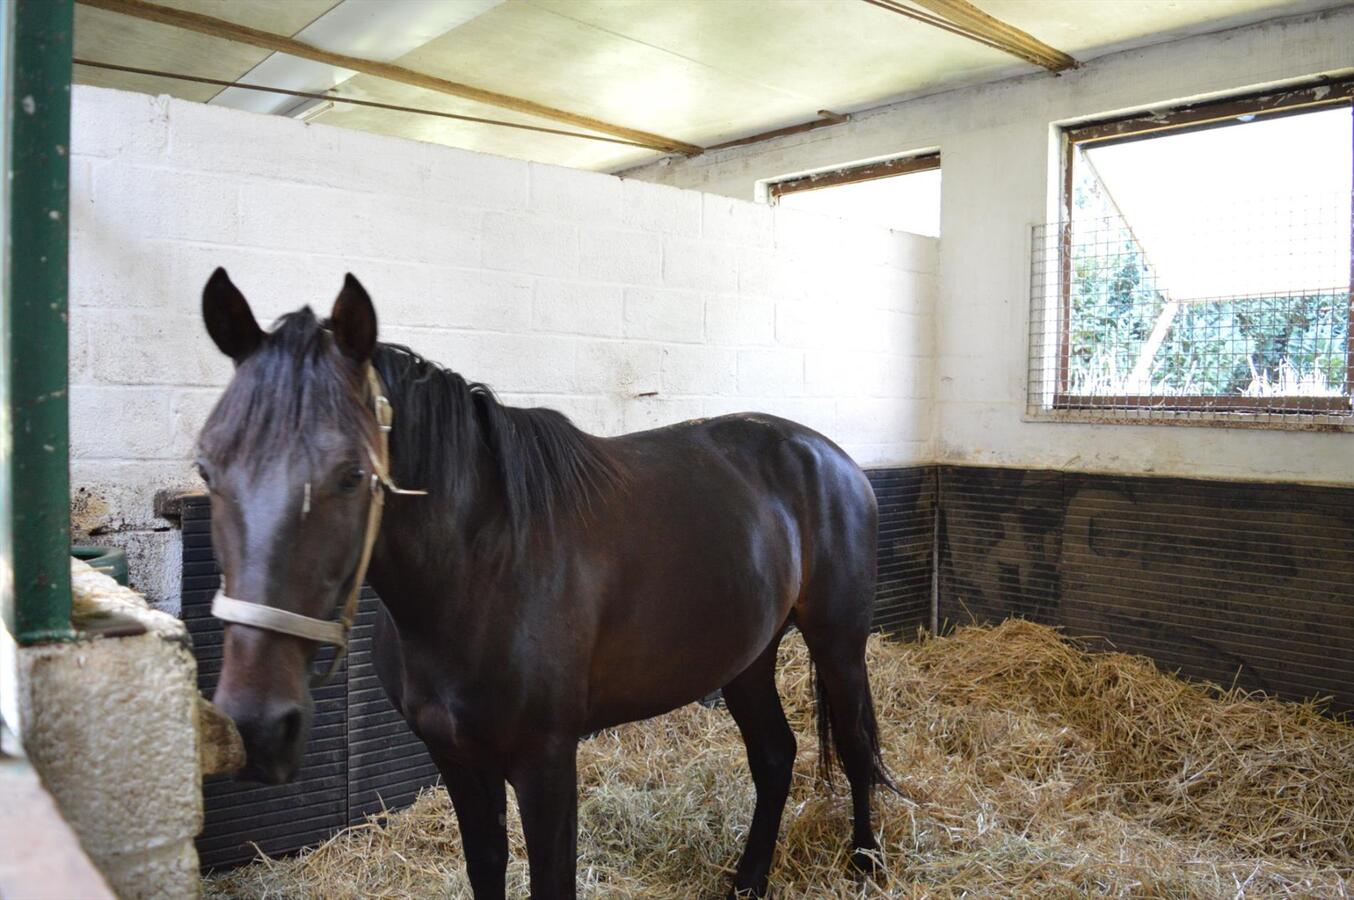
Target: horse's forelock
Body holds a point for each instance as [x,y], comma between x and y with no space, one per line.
[294,387]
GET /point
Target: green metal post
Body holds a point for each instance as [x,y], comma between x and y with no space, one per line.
[35,326]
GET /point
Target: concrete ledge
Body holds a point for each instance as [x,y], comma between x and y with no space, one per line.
[110,723]
[42,858]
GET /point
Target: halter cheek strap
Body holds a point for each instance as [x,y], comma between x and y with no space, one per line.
[325,631]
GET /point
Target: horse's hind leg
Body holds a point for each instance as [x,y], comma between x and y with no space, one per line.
[755,705]
[845,691]
[834,617]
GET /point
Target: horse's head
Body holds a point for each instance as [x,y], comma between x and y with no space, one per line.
[287,454]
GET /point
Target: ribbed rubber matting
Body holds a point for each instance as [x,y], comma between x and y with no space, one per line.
[906,498]
[1232,582]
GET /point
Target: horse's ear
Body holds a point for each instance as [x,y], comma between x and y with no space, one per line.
[353,321]
[228,317]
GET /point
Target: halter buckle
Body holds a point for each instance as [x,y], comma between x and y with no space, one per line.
[385,413]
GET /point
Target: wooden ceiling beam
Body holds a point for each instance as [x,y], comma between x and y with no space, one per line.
[963,18]
[267,40]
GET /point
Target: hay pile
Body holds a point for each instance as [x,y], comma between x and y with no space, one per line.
[1027,766]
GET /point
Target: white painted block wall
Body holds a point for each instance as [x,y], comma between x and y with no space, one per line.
[999,158]
[624,304]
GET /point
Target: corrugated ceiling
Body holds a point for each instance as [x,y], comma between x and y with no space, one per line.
[699,71]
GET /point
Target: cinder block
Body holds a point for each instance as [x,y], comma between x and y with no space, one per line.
[222,140]
[574,194]
[111,495]
[537,246]
[189,410]
[770,373]
[451,298]
[700,265]
[699,370]
[664,315]
[420,229]
[729,221]
[592,413]
[522,363]
[133,202]
[118,124]
[280,216]
[834,372]
[578,308]
[119,422]
[464,178]
[874,420]
[820,414]
[141,347]
[893,453]
[642,413]
[734,321]
[618,367]
[626,257]
[807,323]
[913,253]
[108,271]
[659,208]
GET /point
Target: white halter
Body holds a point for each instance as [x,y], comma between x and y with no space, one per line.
[325,631]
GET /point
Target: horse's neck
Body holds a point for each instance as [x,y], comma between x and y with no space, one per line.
[426,557]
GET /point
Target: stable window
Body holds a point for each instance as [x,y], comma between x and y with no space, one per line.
[1201,268]
[902,194]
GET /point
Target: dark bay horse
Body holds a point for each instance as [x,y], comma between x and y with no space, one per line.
[548,585]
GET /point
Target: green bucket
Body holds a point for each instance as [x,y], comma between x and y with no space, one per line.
[111,561]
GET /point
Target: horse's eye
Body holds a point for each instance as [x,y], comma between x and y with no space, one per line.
[351,478]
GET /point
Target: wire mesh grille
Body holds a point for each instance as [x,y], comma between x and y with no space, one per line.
[1242,318]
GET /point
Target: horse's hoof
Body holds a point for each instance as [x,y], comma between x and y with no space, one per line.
[865,860]
[748,893]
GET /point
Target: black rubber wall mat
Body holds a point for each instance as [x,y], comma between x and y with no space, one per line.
[1231,582]
[906,498]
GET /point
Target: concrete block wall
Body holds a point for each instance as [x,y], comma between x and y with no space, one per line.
[1000,163]
[624,304]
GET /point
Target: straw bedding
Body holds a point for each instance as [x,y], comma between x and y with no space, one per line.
[1026,766]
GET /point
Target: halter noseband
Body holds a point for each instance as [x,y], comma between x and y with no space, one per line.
[325,631]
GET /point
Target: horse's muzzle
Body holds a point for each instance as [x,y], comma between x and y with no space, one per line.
[274,743]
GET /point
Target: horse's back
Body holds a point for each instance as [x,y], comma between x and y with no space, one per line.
[784,459]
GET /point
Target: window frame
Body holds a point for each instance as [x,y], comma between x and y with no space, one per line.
[1177,120]
[903,165]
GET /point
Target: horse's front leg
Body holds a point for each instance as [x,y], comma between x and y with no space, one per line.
[480,799]
[546,782]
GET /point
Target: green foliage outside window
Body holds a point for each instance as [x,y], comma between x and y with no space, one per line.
[1291,344]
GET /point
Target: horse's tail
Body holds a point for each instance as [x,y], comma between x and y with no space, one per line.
[829,746]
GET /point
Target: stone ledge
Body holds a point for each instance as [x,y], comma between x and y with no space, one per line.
[110,723]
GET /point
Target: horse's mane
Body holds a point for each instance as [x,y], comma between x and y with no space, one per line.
[546,466]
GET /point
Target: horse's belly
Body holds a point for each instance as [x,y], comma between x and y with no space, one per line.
[680,657]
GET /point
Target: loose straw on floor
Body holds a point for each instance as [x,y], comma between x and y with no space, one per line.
[1027,766]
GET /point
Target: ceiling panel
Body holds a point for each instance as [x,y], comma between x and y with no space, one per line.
[1088,28]
[110,37]
[826,53]
[700,71]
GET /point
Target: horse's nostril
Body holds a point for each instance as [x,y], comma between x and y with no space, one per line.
[289,728]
